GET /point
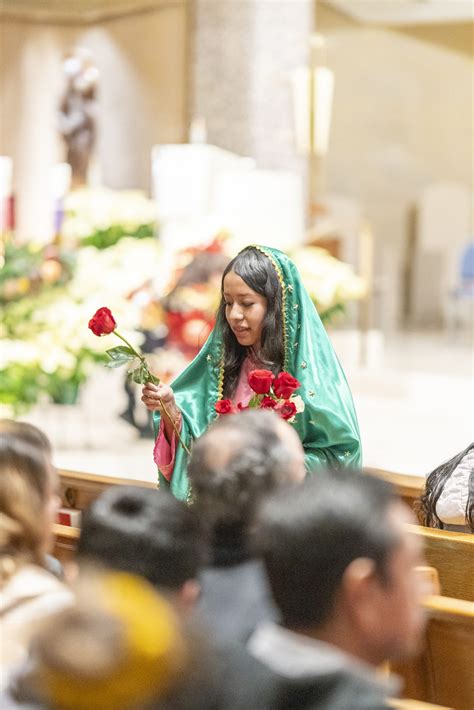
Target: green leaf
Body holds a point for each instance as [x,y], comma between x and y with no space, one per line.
[139,375]
[117,363]
[121,352]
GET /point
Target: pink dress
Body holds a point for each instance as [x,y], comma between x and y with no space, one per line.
[164,451]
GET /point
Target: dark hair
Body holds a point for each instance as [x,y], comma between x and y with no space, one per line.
[144,532]
[259,274]
[426,504]
[310,535]
[229,492]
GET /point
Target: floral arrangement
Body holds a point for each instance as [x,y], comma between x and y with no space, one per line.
[277,393]
[28,269]
[46,353]
[101,217]
[331,283]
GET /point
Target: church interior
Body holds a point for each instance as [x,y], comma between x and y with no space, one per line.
[144,143]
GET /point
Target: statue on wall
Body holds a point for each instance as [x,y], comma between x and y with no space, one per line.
[77,112]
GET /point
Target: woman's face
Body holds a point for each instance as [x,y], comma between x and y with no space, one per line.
[245,310]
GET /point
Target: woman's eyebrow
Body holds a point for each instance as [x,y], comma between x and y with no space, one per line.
[245,294]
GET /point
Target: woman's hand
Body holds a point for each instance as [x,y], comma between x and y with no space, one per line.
[151,395]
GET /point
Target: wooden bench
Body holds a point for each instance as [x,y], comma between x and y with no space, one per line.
[405,704]
[452,555]
[78,490]
[65,542]
[443,673]
[409,488]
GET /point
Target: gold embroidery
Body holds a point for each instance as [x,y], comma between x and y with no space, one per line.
[220,377]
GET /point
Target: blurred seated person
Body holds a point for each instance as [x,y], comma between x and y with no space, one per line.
[448,500]
[120,646]
[147,533]
[30,434]
[237,462]
[341,567]
[28,508]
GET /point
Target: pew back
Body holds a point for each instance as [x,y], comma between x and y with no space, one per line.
[443,673]
[452,554]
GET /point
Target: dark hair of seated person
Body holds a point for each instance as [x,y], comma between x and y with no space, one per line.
[144,532]
[435,483]
[234,465]
[308,539]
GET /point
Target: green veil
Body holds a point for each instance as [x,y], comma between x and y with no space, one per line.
[328,426]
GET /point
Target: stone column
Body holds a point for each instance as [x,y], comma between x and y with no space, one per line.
[243,54]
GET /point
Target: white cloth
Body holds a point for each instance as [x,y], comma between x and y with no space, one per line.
[28,597]
[451,505]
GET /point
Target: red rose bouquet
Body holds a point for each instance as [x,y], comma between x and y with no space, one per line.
[103,323]
[277,393]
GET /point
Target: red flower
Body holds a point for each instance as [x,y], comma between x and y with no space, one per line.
[103,322]
[224,406]
[285,384]
[261,381]
[286,410]
[268,403]
[241,407]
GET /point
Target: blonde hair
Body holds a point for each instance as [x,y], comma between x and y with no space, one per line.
[25,485]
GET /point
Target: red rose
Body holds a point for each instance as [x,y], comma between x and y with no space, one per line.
[285,384]
[241,407]
[261,381]
[268,403]
[224,406]
[286,410]
[103,322]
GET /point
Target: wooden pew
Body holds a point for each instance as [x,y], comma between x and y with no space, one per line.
[443,673]
[405,704]
[65,542]
[78,490]
[409,488]
[452,554]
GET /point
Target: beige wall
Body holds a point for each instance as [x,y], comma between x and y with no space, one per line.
[142,61]
[402,119]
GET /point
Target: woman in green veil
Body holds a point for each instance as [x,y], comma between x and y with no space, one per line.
[266,319]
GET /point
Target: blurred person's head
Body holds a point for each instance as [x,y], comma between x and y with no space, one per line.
[28,497]
[29,433]
[238,461]
[434,487]
[120,646]
[148,533]
[342,564]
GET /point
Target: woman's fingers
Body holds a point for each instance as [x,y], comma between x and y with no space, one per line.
[152,394]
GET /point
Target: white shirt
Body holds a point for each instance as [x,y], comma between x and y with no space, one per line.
[451,505]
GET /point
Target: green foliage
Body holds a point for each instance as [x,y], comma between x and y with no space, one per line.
[104,238]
